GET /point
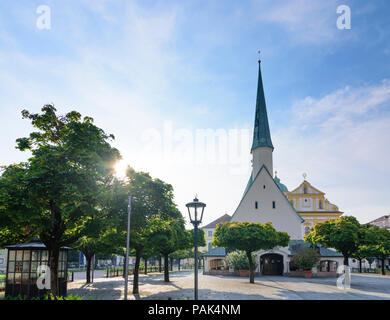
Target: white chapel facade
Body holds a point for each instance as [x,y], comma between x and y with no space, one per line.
[265,199]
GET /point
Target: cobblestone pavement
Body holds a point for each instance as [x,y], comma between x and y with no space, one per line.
[224,288]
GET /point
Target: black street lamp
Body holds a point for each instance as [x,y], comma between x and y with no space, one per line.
[195,211]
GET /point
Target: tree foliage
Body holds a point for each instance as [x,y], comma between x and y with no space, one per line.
[249,237]
[345,234]
[54,193]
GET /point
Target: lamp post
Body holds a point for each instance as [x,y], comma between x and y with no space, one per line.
[127,247]
[195,219]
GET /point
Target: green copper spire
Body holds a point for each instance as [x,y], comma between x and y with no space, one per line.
[261,133]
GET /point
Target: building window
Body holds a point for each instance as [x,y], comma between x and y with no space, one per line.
[263,186]
[273,204]
[209,234]
[256,205]
[307,230]
[320,204]
[305,190]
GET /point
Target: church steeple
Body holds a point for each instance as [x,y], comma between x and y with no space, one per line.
[261,133]
[262,147]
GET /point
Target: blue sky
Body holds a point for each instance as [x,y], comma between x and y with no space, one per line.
[138,67]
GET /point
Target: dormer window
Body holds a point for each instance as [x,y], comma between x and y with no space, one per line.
[305,190]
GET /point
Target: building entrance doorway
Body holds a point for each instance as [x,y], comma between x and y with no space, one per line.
[271,264]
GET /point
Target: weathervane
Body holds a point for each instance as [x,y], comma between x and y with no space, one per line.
[304,175]
[259,55]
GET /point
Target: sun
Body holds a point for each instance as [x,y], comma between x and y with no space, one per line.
[120,169]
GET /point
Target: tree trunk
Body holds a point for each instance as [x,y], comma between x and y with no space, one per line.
[54,253]
[171,260]
[146,266]
[166,268]
[360,265]
[178,264]
[136,270]
[383,266]
[346,262]
[159,264]
[88,271]
[251,267]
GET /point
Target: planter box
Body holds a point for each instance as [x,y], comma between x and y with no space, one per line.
[219,272]
[326,274]
[307,273]
[303,274]
[297,273]
[243,273]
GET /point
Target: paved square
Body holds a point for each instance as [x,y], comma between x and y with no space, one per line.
[363,287]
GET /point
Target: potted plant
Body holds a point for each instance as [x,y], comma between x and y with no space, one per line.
[305,260]
[238,261]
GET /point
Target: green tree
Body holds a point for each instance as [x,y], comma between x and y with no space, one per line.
[56,190]
[178,255]
[344,234]
[152,203]
[365,239]
[249,237]
[170,236]
[380,245]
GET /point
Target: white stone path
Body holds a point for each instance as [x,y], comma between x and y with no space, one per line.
[364,287]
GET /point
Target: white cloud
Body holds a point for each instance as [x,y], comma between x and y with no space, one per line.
[306,21]
[341,140]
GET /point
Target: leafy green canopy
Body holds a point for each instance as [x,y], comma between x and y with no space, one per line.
[344,234]
[54,193]
[249,236]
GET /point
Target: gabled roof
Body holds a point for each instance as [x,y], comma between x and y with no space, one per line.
[308,184]
[250,182]
[215,252]
[261,133]
[213,224]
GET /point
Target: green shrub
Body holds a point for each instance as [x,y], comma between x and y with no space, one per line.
[305,259]
[239,261]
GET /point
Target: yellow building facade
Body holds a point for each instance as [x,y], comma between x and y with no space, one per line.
[312,205]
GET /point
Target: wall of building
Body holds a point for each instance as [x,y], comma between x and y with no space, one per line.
[264,191]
